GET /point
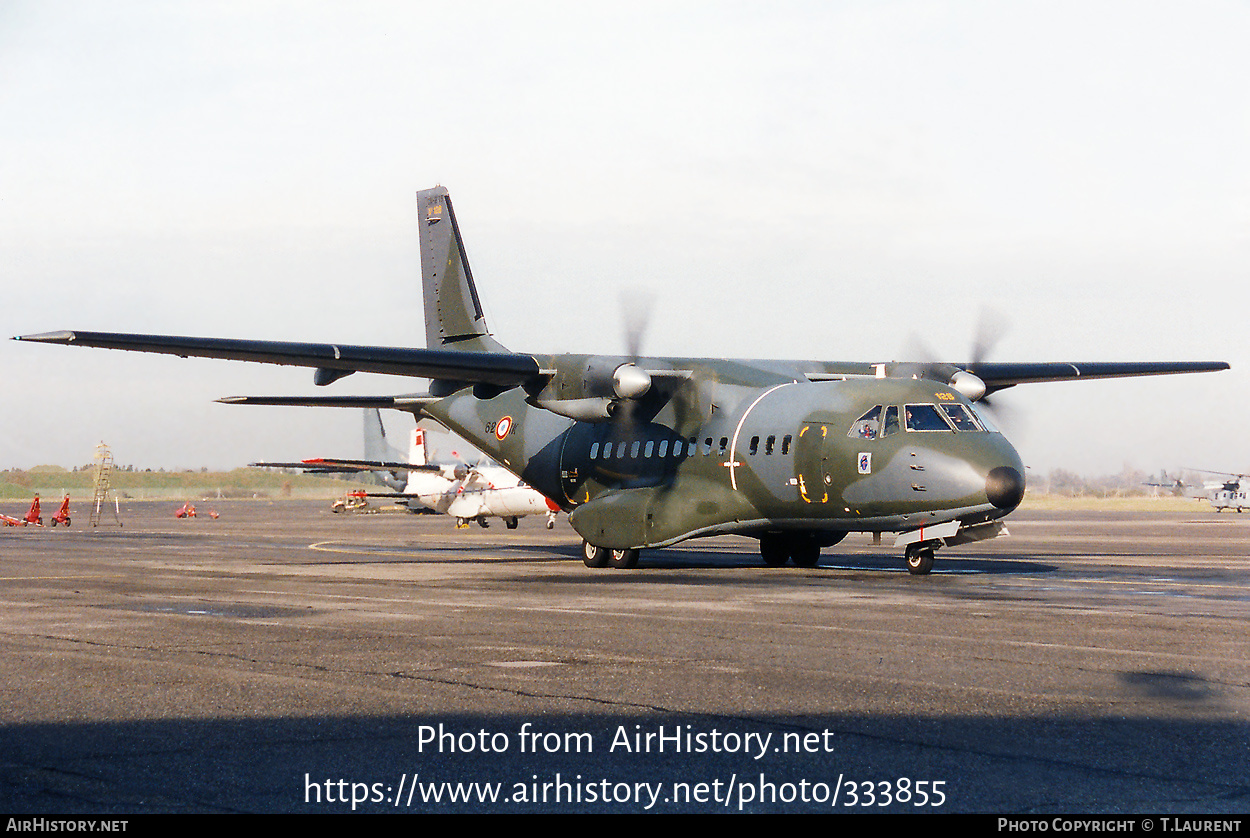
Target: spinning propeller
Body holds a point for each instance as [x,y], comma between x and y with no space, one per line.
[963,378]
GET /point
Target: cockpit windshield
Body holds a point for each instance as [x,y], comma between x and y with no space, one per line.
[946,416]
[960,417]
[924,417]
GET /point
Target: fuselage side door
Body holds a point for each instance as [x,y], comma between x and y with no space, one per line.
[575,463]
[811,462]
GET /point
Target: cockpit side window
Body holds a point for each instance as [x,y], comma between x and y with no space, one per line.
[960,417]
[891,421]
[924,417]
[985,422]
[867,426]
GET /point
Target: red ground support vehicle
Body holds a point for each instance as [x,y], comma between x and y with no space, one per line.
[62,515]
[31,517]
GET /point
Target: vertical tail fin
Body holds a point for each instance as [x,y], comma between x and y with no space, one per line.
[416,450]
[453,311]
[376,445]
[379,450]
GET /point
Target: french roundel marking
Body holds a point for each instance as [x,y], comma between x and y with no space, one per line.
[502,427]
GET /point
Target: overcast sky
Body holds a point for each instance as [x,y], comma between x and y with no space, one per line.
[838,181]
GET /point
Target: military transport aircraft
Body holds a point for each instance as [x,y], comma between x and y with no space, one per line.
[647,452]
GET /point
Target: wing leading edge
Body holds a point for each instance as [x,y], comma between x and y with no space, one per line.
[504,369]
[1000,376]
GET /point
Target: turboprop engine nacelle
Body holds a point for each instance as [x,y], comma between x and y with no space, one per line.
[614,378]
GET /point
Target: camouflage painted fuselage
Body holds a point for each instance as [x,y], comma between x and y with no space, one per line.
[741,447]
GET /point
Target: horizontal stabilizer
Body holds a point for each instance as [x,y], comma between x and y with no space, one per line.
[324,465]
[411,404]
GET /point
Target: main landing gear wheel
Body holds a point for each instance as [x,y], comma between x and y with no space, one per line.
[805,553]
[919,560]
[774,550]
[623,559]
[595,556]
[510,523]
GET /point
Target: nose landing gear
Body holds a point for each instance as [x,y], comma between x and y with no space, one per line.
[919,558]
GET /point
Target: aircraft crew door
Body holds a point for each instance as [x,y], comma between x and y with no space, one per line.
[811,462]
[575,467]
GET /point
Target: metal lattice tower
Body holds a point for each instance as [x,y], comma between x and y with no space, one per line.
[103,469]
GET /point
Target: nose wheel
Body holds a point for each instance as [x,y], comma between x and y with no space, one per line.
[919,559]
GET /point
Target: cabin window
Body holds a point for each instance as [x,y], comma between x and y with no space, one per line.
[707,446]
[663,451]
[620,450]
[755,445]
[960,417]
[648,448]
[633,450]
[924,417]
[607,451]
[867,426]
[785,443]
[594,450]
[724,445]
[768,444]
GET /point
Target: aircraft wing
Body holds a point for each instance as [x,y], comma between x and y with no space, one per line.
[504,369]
[507,369]
[1000,376]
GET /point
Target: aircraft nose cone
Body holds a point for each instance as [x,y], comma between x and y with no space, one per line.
[1004,486]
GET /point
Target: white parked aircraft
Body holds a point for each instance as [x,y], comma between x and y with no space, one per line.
[469,493]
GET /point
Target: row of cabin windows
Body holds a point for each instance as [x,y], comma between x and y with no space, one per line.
[688,448]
